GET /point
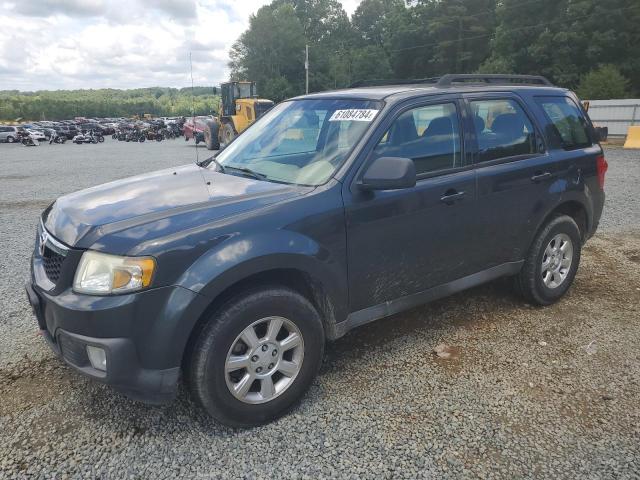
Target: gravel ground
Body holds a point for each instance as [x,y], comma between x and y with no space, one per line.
[524,392]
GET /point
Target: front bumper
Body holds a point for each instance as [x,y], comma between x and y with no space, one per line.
[143,335]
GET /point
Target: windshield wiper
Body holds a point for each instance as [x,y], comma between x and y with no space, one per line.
[248,171]
[205,163]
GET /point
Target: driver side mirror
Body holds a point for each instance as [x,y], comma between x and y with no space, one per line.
[389,173]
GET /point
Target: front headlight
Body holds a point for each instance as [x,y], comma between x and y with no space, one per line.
[102,274]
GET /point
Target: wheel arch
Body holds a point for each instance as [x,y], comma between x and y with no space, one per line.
[573,208]
[293,278]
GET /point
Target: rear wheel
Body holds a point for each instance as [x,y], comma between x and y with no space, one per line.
[552,263]
[228,133]
[256,357]
[10,139]
[211,135]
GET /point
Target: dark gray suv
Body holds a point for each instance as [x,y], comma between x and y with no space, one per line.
[331,211]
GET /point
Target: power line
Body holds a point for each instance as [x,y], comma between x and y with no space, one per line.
[544,24]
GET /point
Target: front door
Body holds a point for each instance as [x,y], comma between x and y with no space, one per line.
[402,242]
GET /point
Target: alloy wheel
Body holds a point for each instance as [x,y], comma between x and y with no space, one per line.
[556,261]
[264,360]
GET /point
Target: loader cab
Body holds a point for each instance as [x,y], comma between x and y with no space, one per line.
[232,91]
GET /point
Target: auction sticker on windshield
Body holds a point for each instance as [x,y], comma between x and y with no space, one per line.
[354,115]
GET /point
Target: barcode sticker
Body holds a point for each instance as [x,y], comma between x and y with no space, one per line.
[354,115]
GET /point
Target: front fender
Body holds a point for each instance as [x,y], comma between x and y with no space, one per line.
[240,257]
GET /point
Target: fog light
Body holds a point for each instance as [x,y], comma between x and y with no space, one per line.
[97,357]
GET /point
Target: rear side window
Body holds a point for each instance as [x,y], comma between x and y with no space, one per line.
[569,124]
[428,135]
[502,129]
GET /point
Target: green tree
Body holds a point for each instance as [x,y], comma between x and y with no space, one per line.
[565,39]
[604,82]
[271,48]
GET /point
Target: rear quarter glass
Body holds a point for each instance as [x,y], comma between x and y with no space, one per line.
[568,127]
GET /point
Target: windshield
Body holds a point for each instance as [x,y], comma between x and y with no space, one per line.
[301,141]
[243,90]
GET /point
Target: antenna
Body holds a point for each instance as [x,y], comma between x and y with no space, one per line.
[193,109]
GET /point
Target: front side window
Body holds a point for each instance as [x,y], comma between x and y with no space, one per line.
[569,125]
[428,135]
[301,141]
[502,129]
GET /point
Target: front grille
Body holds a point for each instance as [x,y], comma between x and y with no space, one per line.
[52,262]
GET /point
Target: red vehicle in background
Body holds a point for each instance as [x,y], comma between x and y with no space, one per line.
[194,128]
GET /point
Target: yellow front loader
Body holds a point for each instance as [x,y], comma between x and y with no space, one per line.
[239,108]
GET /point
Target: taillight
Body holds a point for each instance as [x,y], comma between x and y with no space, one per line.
[601,168]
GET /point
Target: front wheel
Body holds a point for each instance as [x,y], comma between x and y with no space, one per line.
[10,139]
[552,262]
[256,357]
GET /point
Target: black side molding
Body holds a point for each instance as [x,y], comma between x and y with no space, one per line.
[392,307]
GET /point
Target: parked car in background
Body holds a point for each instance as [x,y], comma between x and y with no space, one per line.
[10,133]
[69,131]
[194,128]
[48,132]
[37,134]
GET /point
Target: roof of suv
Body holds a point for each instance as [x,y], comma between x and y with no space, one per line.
[440,86]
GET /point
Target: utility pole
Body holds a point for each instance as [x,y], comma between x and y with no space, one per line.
[306,67]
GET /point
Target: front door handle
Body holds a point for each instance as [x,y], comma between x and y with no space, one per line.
[541,176]
[452,196]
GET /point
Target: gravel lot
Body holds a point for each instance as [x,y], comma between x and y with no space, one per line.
[526,392]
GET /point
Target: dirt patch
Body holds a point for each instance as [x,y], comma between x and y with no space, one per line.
[31,383]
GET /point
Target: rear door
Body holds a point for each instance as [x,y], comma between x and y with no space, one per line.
[405,241]
[516,175]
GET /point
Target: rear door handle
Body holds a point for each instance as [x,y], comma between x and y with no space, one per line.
[541,176]
[452,196]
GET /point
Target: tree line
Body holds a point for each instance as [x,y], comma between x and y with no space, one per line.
[65,104]
[585,45]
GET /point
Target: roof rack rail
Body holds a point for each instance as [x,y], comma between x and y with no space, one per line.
[384,82]
[449,79]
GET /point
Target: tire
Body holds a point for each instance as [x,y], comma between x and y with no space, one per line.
[10,139]
[561,232]
[211,135]
[101,139]
[142,139]
[228,134]
[207,376]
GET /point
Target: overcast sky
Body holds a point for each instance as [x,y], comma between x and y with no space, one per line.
[68,44]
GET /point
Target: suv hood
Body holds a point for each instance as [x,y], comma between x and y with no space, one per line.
[80,218]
